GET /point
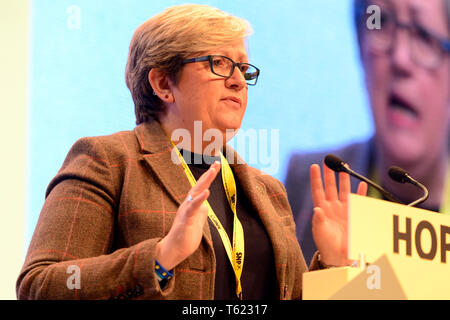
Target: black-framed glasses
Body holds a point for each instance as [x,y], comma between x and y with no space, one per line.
[224,67]
[426,48]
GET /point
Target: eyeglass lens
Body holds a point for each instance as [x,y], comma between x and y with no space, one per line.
[224,67]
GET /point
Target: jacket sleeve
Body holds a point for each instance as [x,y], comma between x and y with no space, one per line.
[69,255]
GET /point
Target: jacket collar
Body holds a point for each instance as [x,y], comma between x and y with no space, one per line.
[156,149]
[152,138]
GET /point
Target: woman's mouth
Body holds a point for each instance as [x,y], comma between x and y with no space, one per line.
[233,101]
[401,113]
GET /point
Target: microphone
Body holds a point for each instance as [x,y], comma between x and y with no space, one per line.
[400,175]
[338,165]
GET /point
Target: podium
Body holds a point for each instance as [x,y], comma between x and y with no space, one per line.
[402,253]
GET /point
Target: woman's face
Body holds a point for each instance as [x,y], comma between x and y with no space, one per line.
[410,103]
[199,95]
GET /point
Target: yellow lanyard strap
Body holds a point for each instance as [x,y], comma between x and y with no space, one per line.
[236,251]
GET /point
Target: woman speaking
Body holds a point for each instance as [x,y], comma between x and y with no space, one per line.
[162,213]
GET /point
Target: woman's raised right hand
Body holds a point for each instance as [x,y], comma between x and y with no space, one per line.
[186,232]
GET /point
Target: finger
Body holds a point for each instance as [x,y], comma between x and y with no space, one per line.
[193,206]
[329,179]
[206,179]
[318,195]
[362,189]
[344,186]
[319,221]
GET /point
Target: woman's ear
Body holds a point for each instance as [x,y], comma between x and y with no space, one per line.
[159,80]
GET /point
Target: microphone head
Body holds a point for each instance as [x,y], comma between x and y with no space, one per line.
[398,174]
[335,163]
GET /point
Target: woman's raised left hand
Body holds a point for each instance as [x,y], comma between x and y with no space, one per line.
[329,224]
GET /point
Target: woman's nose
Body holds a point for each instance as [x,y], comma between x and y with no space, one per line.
[401,53]
[236,79]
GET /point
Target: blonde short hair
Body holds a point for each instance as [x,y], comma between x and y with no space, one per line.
[168,38]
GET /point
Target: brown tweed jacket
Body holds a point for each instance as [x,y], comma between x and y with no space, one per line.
[113,199]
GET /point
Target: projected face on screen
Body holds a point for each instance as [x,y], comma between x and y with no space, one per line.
[406,66]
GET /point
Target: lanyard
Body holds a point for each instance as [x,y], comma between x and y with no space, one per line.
[235,252]
[445,204]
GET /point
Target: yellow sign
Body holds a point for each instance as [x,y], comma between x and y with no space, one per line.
[378,227]
[414,243]
[407,250]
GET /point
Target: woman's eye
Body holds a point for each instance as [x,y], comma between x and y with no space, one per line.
[243,68]
[424,36]
[218,62]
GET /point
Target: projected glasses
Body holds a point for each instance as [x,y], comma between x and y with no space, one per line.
[426,48]
[224,67]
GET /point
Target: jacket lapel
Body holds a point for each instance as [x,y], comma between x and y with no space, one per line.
[157,153]
[157,149]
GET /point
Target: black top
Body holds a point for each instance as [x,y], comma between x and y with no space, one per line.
[258,277]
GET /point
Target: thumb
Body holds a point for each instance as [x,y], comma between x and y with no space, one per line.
[318,217]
